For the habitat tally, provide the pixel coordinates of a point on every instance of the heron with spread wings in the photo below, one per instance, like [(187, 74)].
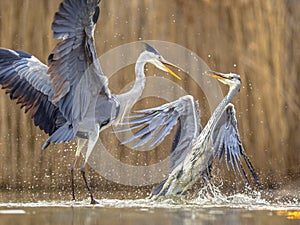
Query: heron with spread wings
[(194, 148), (70, 97)]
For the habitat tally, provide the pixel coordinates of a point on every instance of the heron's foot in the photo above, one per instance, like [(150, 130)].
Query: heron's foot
[(94, 202)]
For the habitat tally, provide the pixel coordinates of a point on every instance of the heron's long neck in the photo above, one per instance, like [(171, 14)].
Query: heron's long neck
[(128, 99), (218, 111)]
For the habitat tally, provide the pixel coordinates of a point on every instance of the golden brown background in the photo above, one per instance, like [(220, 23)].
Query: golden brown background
[(260, 37)]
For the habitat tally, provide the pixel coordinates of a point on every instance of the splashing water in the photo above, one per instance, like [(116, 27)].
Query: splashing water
[(210, 195)]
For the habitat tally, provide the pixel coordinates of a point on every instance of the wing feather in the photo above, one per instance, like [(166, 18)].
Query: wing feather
[(227, 144), (158, 122), (25, 79), (74, 59)]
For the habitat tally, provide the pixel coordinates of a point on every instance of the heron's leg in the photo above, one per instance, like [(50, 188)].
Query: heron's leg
[(93, 137), (80, 144)]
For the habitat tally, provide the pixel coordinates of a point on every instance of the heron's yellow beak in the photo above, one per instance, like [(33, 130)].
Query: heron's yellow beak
[(171, 71), (214, 74), (163, 66)]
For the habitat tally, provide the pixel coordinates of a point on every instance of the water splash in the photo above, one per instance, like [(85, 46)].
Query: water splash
[(212, 196), (209, 196)]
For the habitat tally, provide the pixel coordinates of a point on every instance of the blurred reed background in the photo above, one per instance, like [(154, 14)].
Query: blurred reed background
[(260, 37)]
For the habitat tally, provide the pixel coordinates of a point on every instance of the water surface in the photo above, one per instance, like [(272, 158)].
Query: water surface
[(214, 208)]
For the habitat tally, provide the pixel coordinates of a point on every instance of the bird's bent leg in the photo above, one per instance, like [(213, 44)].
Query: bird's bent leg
[(93, 137), (80, 144)]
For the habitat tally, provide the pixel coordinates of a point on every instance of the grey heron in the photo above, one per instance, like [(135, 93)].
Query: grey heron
[(70, 97), (193, 149)]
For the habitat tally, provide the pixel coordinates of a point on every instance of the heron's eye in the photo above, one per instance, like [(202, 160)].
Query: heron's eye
[(104, 123)]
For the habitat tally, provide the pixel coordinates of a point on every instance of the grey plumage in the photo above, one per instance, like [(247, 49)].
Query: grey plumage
[(193, 149), (70, 97), (159, 122), (25, 79)]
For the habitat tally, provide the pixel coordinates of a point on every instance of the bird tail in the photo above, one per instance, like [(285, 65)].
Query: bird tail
[(63, 134), (157, 190)]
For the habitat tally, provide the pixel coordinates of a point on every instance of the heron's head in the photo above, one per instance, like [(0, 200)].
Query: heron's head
[(230, 79), (151, 55)]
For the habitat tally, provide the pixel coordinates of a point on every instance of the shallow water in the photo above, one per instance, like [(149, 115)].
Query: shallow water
[(144, 215), (140, 212), (207, 208)]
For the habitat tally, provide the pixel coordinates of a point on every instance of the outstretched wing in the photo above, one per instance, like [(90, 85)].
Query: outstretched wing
[(25, 79), (156, 123), (227, 143), (73, 65), (188, 129)]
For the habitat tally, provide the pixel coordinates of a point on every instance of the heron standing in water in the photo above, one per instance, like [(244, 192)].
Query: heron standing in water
[(193, 149), (70, 97)]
